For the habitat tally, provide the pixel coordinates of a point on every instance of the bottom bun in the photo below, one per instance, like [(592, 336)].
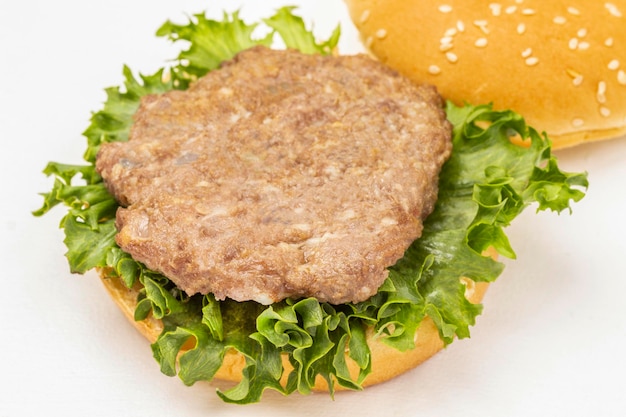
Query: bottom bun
[(387, 362)]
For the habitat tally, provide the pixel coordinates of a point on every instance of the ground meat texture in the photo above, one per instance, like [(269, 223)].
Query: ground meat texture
[(279, 175)]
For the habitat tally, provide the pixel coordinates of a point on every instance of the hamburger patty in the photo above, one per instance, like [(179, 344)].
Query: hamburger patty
[(279, 175)]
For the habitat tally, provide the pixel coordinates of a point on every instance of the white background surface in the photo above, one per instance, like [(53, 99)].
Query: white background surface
[(550, 342)]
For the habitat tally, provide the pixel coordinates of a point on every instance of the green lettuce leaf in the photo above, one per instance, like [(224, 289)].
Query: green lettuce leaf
[(487, 182), (210, 42), (295, 35), (113, 122)]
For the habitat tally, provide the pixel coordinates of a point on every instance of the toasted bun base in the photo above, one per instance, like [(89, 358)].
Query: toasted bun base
[(561, 65), (386, 361)]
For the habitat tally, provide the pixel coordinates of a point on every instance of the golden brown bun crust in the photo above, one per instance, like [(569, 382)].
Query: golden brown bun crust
[(560, 64), (386, 362)]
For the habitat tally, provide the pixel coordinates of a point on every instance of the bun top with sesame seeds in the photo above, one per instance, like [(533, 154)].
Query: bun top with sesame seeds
[(561, 64)]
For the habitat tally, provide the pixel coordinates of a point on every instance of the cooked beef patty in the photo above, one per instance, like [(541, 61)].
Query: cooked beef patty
[(279, 175)]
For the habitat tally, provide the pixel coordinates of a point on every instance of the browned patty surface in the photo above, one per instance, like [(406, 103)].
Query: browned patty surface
[(279, 175)]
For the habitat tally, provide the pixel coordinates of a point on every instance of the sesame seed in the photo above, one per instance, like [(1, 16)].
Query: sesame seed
[(451, 56), (510, 9), (533, 60), (446, 40), (364, 16), (529, 12), (450, 32), (482, 25), (470, 286), (578, 122), (445, 8), (521, 29), (434, 70), (608, 42), (582, 32), (496, 9), (527, 52), (560, 20), (577, 78), (605, 111), (621, 77), (481, 42), (460, 26), (613, 65), (572, 73), (600, 93), (573, 11), (445, 47), (381, 33), (613, 10), (519, 1), (369, 41), (573, 44), (583, 46)]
